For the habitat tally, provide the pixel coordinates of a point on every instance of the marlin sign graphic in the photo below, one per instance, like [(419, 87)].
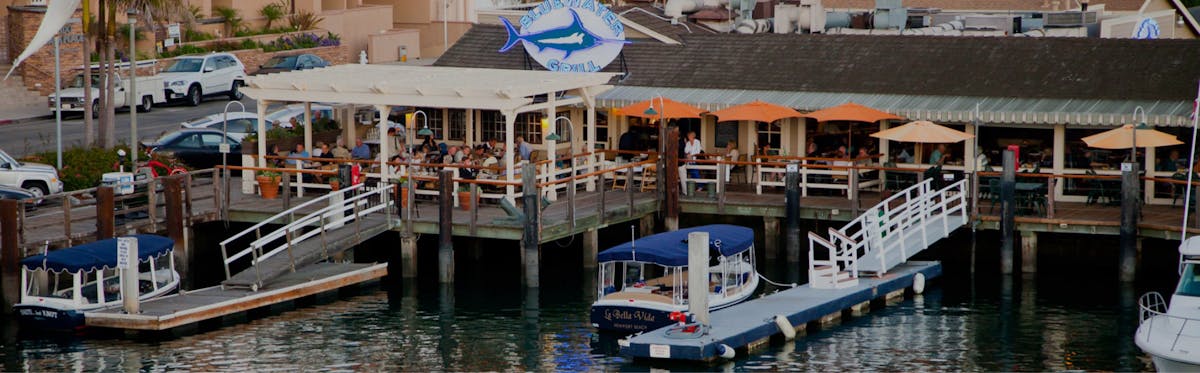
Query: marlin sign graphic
[(569, 39), (569, 35)]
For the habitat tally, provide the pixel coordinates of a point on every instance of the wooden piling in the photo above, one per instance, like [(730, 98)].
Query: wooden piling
[(671, 179), (445, 227), (591, 243), (792, 204), (530, 240), (1008, 184), (852, 185), (10, 253), (173, 196), (408, 256), (105, 221), (1130, 210), (1029, 251), (771, 233)]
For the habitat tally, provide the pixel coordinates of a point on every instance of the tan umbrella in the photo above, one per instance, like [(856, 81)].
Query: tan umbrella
[(1123, 138), (923, 131)]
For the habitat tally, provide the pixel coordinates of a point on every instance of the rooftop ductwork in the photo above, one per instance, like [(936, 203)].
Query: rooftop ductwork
[(806, 17)]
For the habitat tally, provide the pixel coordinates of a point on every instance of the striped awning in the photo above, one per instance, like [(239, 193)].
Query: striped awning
[(993, 110)]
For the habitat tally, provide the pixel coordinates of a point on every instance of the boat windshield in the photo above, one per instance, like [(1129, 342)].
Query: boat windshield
[(1189, 281)]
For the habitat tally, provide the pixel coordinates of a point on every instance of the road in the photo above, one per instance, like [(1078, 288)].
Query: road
[(39, 135)]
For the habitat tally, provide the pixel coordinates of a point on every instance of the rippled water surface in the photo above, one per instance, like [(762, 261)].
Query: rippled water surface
[(1071, 319)]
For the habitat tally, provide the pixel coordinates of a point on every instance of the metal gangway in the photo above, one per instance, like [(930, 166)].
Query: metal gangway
[(887, 234), (352, 215)]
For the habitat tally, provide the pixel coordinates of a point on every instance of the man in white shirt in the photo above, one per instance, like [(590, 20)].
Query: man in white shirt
[(692, 148)]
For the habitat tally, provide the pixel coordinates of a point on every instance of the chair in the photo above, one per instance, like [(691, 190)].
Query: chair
[(993, 193), (649, 178), (1094, 187), (738, 171)]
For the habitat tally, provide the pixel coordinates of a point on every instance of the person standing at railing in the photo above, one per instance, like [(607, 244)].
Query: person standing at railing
[(691, 149), (731, 154)]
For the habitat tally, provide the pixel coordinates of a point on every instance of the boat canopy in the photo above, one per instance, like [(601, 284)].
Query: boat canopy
[(97, 255), (671, 248)]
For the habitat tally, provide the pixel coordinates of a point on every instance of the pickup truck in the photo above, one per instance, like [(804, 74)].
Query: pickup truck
[(149, 92)]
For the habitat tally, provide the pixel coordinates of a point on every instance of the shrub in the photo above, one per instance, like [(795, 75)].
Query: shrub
[(233, 20), (304, 20), (194, 35), (82, 167), (272, 12)]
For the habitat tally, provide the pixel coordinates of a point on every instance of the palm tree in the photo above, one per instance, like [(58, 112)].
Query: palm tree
[(272, 12)]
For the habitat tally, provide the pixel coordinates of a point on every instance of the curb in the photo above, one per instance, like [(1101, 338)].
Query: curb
[(5, 122)]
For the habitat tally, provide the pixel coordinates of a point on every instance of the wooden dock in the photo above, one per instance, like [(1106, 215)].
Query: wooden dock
[(214, 302), (750, 325)]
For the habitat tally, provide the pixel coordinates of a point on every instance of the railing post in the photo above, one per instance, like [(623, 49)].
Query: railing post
[(722, 173), (531, 241), (974, 177), (66, 208), (629, 187), (1008, 181), (217, 197), (1131, 199), (603, 207), (792, 205), (291, 257), (474, 208), (852, 184), (172, 196), (1050, 181), (287, 192), (571, 197), (152, 201)]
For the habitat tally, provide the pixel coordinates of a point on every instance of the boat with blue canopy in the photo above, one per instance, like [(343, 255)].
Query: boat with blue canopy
[(58, 287), (643, 281)]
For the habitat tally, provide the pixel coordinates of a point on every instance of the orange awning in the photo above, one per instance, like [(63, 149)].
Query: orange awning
[(757, 111), (664, 108), (851, 112)]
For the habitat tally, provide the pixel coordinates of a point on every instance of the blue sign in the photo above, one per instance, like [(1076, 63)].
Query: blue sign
[(569, 35)]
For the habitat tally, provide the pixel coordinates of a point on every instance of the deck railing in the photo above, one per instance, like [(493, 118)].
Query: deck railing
[(1152, 315)]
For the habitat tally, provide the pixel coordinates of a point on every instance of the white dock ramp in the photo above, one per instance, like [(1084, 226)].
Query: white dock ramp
[(886, 235)]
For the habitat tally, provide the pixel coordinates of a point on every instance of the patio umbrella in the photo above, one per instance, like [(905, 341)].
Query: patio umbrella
[(851, 112), (757, 111), (664, 108), (923, 131), (1123, 137)]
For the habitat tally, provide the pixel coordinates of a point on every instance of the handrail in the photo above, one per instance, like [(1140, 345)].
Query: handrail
[(309, 219), (1152, 308), (255, 228)]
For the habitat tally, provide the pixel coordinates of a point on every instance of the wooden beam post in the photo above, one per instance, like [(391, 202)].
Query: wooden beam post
[(10, 253), (445, 227), (792, 207), (173, 196), (531, 240), (1130, 210), (670, 162), (105, 221), (1008, 183)]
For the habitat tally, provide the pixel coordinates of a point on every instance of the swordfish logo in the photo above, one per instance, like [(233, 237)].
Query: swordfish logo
[(568, 35)]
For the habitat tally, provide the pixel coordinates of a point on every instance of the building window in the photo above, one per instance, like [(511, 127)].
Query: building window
[(491, 126), (529, 125), (769, 134), (458, 124), (561, 126), (436, 122)]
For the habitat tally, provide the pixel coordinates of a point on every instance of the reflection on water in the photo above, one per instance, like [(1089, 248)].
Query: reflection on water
[(1060, 321)]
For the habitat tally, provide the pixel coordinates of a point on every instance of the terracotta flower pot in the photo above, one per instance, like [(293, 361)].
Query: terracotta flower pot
[(268, 186), (464, 200), (401, 195)]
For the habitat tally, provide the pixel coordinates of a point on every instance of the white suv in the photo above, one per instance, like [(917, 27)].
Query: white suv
[(38, 179), (193, 77)]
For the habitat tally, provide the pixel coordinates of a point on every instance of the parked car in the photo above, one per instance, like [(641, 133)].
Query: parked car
[(241, 123), (36, 178), (197, 148), (148, 94), (293, 62), (7, 192), (193, 77)]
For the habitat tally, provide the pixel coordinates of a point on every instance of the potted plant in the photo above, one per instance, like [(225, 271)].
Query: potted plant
[(464, 196), (268, 183), (335, 183)]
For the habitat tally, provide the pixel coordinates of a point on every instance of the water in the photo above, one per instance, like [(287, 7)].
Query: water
[(1070, 317)]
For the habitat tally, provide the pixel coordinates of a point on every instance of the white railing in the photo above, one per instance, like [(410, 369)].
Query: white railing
[(1152, 315), (822, 177), (885, 227), (332, 216)]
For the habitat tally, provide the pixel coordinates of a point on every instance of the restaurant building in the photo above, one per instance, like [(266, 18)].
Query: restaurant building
[(1042, 94)]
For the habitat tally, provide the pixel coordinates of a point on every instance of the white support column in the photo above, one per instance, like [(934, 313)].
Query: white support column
[(1148, 187), (884, 149), (1060, 151), (591, 143), (469, 127), (261, 109), (750, 139), (384, 141), (510, 119), (308, 127)]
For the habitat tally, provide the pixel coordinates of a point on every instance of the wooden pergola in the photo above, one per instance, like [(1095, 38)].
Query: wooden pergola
[(510, 92)]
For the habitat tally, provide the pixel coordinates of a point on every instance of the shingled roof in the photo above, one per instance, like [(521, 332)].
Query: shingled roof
[(1065, 68), (653, 19), (1016, 5)]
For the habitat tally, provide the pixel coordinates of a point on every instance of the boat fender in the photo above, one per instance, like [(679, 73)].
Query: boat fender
[(919, 283), (785, 326), (725, 352)]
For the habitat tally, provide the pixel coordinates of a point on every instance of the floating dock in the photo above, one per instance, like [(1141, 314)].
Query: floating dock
[(214, 302), (751, 324)]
